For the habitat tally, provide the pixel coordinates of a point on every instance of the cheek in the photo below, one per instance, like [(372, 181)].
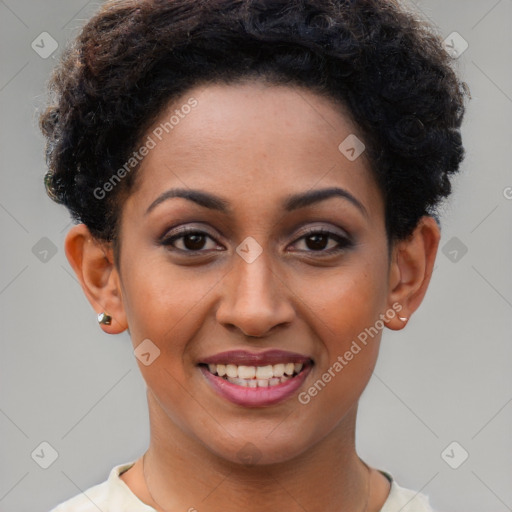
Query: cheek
[(160, 299), (345, 310), (161, 305), (168, 305), (350, 299)]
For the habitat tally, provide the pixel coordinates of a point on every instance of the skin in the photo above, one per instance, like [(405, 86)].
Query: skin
[(254, 145)]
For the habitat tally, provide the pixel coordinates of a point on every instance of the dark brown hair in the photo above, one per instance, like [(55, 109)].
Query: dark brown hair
[(385, 64)]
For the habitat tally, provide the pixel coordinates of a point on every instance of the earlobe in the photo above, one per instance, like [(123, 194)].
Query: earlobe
[(93, 263), (412, 263)]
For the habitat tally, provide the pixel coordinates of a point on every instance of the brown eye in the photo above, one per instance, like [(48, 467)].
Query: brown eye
[(318, 240), (194, 241), (191, 240)]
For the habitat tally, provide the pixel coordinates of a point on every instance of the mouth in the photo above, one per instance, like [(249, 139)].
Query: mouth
[(256, 376), (253, 380)]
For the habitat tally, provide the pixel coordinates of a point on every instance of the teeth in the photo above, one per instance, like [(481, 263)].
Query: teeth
[(239, 382), (232, 371), (246, 372), (264, 372), (278, 370), (256, 376), (255, 383)]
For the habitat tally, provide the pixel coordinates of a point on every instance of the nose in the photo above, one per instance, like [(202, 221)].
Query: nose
[(255, 298)]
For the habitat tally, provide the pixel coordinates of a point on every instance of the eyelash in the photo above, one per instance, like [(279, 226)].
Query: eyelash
[(343, 242)]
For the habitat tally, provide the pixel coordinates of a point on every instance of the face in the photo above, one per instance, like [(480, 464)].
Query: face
[(256, 273)]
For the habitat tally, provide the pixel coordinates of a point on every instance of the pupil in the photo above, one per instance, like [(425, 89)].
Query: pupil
[(197, 241), (316, 244)]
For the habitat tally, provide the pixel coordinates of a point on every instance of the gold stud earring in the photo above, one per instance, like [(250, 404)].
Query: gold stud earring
[(104, 319)]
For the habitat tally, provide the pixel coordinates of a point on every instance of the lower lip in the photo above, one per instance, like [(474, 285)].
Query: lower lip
[(255, 397)]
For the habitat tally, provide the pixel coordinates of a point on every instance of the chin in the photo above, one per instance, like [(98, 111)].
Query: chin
[(258, 448)]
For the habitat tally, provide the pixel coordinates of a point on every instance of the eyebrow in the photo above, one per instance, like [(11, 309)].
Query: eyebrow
[(291, 203)]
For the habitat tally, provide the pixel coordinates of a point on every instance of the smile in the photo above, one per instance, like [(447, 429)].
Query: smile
[(256, 376), (256, 380)]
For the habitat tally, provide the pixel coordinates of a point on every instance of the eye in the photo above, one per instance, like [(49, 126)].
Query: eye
[(317, 240), (192, 240)]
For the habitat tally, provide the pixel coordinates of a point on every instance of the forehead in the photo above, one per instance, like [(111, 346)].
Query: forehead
[(249, 139)]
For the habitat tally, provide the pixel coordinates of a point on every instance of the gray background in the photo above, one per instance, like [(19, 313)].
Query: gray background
[(445, 378)]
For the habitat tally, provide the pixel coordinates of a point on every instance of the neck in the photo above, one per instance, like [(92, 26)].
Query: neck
[(181, 474)]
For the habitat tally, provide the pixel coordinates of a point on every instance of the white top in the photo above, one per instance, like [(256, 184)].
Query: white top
[(114, 495)]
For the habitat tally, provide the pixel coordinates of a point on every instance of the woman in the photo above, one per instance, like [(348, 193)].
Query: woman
[(255, 186)]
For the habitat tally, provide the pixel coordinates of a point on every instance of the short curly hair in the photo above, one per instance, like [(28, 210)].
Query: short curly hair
[(380, 60)]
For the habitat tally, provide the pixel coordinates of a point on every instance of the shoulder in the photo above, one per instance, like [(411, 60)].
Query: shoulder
[(405, 500), (92, 499), (109, 496)]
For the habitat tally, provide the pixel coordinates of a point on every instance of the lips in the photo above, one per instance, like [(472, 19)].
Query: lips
[(256, 379)]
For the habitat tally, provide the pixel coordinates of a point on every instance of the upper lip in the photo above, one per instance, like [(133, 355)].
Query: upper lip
[(246, 358)]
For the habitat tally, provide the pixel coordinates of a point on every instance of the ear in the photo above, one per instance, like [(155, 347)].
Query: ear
[(93, 263), (411, 267)]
